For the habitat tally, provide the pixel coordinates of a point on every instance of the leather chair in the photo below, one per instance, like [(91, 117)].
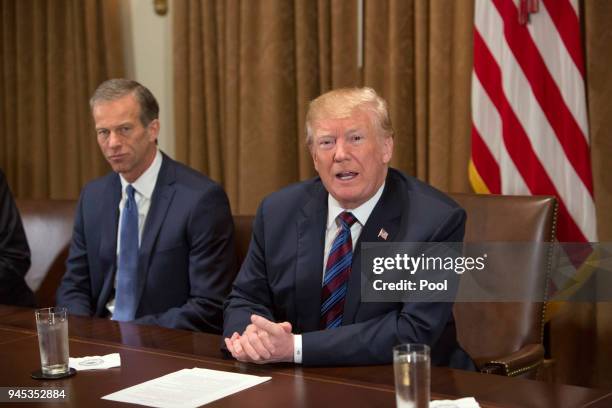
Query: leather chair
[(502, 338), (48, 227), (507, 338), (243, 228)]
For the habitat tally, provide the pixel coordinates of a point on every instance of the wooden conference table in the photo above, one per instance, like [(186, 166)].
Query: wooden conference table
[(148, 352)]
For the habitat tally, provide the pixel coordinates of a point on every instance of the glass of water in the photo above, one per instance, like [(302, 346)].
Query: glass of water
[(52, 328), (411, 364)]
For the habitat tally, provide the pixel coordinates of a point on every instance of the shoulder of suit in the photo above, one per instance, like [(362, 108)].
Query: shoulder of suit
[(100, 183), (296, 192), (417, 189), (187, 175)]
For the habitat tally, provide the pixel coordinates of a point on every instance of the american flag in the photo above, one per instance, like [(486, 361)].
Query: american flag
[(529, 122)]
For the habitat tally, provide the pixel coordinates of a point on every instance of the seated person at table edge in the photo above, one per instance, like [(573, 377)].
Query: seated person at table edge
[(296, 297), (152, 240), (14, 252)]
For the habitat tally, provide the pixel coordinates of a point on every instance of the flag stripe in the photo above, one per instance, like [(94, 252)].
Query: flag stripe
[(563, 14), (487, 119), (542, 141), (485, 164), (544, 89), (524, 109), (562, 67), (478, 185)]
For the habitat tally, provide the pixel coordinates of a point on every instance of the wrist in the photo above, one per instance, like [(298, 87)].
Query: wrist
[(296, 355)]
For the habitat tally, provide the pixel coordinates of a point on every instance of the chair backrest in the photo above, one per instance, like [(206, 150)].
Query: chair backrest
[(243, 228), (48, 227), (506, 326), (489, 330)]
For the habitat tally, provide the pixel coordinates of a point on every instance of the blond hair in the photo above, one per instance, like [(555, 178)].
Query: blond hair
[(342, 103)]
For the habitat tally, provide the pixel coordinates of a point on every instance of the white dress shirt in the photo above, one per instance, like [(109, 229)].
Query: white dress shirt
[(361, 213), (143, 186)]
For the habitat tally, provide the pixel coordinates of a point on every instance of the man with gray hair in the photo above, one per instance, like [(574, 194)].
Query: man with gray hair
[(297, 296), (152, 240)]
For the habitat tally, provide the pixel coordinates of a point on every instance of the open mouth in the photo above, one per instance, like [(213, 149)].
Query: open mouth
[(346, 175)]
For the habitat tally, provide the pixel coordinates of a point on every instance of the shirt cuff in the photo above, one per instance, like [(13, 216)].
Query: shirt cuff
[(297, 348)]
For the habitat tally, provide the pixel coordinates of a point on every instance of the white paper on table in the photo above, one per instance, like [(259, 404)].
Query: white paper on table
[(187, 388), (95, 362), (469, 402)]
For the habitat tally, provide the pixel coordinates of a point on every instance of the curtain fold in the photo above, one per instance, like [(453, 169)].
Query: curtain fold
[(598, 49), (442, 60), (581, 332), (259, 63), (52, 56), (244, 74)]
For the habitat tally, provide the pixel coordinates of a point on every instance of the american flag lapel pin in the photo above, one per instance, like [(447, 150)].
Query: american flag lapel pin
[(383, 234)]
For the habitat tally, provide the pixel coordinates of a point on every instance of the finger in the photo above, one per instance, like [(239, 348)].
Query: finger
[(250, 328), (286, 326), (259, 347), (248, 349), (235, 336), (264, 337), (230, 346), (236, 350), (264, 324), (239, 351)]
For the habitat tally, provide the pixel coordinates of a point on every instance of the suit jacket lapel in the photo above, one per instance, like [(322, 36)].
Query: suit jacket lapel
[(107, 250), (160, 201), (386, 215), (309, 266)]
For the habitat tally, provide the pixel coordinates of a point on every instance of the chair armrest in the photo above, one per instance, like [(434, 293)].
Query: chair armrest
[(522, 361)]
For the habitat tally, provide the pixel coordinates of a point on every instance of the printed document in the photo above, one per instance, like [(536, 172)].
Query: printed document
[(187, 388)]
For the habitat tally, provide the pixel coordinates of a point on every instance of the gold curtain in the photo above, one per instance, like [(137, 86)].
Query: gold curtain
[(245, 71), (52, 56), (583, 331)]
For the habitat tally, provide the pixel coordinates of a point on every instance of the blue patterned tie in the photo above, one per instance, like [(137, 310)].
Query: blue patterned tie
[(127, 267), (337, 272)]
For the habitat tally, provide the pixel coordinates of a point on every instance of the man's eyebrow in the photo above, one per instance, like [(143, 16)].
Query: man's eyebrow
[(124, 124)]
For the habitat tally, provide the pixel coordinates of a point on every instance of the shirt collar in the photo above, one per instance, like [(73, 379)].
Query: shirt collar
[(362, 213), (145, 184)]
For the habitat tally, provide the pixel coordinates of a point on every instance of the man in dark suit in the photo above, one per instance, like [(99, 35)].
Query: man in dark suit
[(297, 296), (153, 240), (14, 252)]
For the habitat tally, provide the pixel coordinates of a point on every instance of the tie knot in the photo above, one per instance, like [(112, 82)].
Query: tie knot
[(130, 190), (347, 219)]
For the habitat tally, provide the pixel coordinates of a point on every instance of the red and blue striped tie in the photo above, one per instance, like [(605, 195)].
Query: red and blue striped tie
[(337, 272)]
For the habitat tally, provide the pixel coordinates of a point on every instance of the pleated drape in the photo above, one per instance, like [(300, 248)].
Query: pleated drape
[(52, 56)]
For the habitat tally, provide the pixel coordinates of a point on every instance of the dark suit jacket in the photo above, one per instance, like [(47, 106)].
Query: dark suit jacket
[(14, 252), (281, 276), (186, 258)]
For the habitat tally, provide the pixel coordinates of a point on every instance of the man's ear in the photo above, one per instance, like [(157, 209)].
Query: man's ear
[(387, 149), (153, 129), (315, 160)]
